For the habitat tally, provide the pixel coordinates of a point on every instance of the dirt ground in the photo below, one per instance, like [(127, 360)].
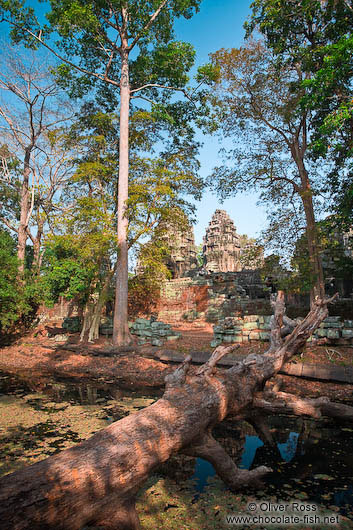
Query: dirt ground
[(164, 502), (41, 355)]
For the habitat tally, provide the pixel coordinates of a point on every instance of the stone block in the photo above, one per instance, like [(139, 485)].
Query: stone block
[(326, 324), (157, 325), (254, 335), (157, 342), (162, 332), (348, 323), (173, 337), (136, 331), (138, 326), (347, 333), (106, 330), (265, 335), (73, 324), (251, 318), (332, 319), (333, 334), (60, 337), (250, 325), (321, 332), (142, 321), (215, 343), (264, 325)]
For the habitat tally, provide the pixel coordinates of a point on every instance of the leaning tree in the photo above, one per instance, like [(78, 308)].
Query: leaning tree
[(258, 102), (96, 482)]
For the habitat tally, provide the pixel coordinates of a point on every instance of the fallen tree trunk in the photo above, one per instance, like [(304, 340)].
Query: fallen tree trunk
[(283, 403), (96, 481)]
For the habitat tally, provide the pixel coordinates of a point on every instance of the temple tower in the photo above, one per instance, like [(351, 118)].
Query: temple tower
[(221, 249)]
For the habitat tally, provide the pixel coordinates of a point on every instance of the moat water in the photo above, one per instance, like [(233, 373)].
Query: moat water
[(312, 460)]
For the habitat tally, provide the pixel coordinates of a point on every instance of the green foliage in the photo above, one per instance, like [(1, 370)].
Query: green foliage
[(88, 39), (316, 36), (337, 248), (273, 273), (199, 255), (66, 272), (258, 111), (208, 73), (18, 301), (336, 253), (85, 31), (252, 253), (10, 291), (145, 286)]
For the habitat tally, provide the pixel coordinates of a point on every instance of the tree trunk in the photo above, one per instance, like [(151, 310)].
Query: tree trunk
[(96, 481), (87, 319), (318, 289), (37, 241), (24, 210), (313, 246), (93, 333), (121, 336)]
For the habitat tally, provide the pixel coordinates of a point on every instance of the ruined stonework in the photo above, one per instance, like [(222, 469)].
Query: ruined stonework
[(181, 256), (183, 251), (221, 249)]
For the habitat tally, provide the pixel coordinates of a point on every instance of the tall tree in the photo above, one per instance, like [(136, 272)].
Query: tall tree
[(81, 257), (259, 111), (317, 36), (124, 45), (34, 161)]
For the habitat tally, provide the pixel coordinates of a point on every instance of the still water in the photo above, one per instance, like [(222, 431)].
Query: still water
[(311, 459)]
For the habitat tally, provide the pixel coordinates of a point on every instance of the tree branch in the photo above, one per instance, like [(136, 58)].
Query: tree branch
[(148, 25), (209, 449), (58, 55), (156, 85)]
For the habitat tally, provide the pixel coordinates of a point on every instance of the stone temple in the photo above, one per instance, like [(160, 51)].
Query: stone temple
[(222, 247), (183, 251)]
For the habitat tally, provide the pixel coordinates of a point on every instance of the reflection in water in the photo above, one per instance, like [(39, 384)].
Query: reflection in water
[(250, 447), (203, 471), (289, 448), (312, 460)]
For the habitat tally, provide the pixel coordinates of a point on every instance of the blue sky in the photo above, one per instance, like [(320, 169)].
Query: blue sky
[(219, 24)]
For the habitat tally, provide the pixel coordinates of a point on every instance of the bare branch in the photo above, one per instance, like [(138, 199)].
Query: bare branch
[(38, 38), (8, 224), (156, 85)]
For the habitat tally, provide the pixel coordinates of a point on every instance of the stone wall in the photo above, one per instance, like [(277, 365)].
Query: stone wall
[(153, 332), (257, 327), (207, 297), (59, 311)]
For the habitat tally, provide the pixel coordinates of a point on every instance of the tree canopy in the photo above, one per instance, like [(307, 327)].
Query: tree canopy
[(317, 37)]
